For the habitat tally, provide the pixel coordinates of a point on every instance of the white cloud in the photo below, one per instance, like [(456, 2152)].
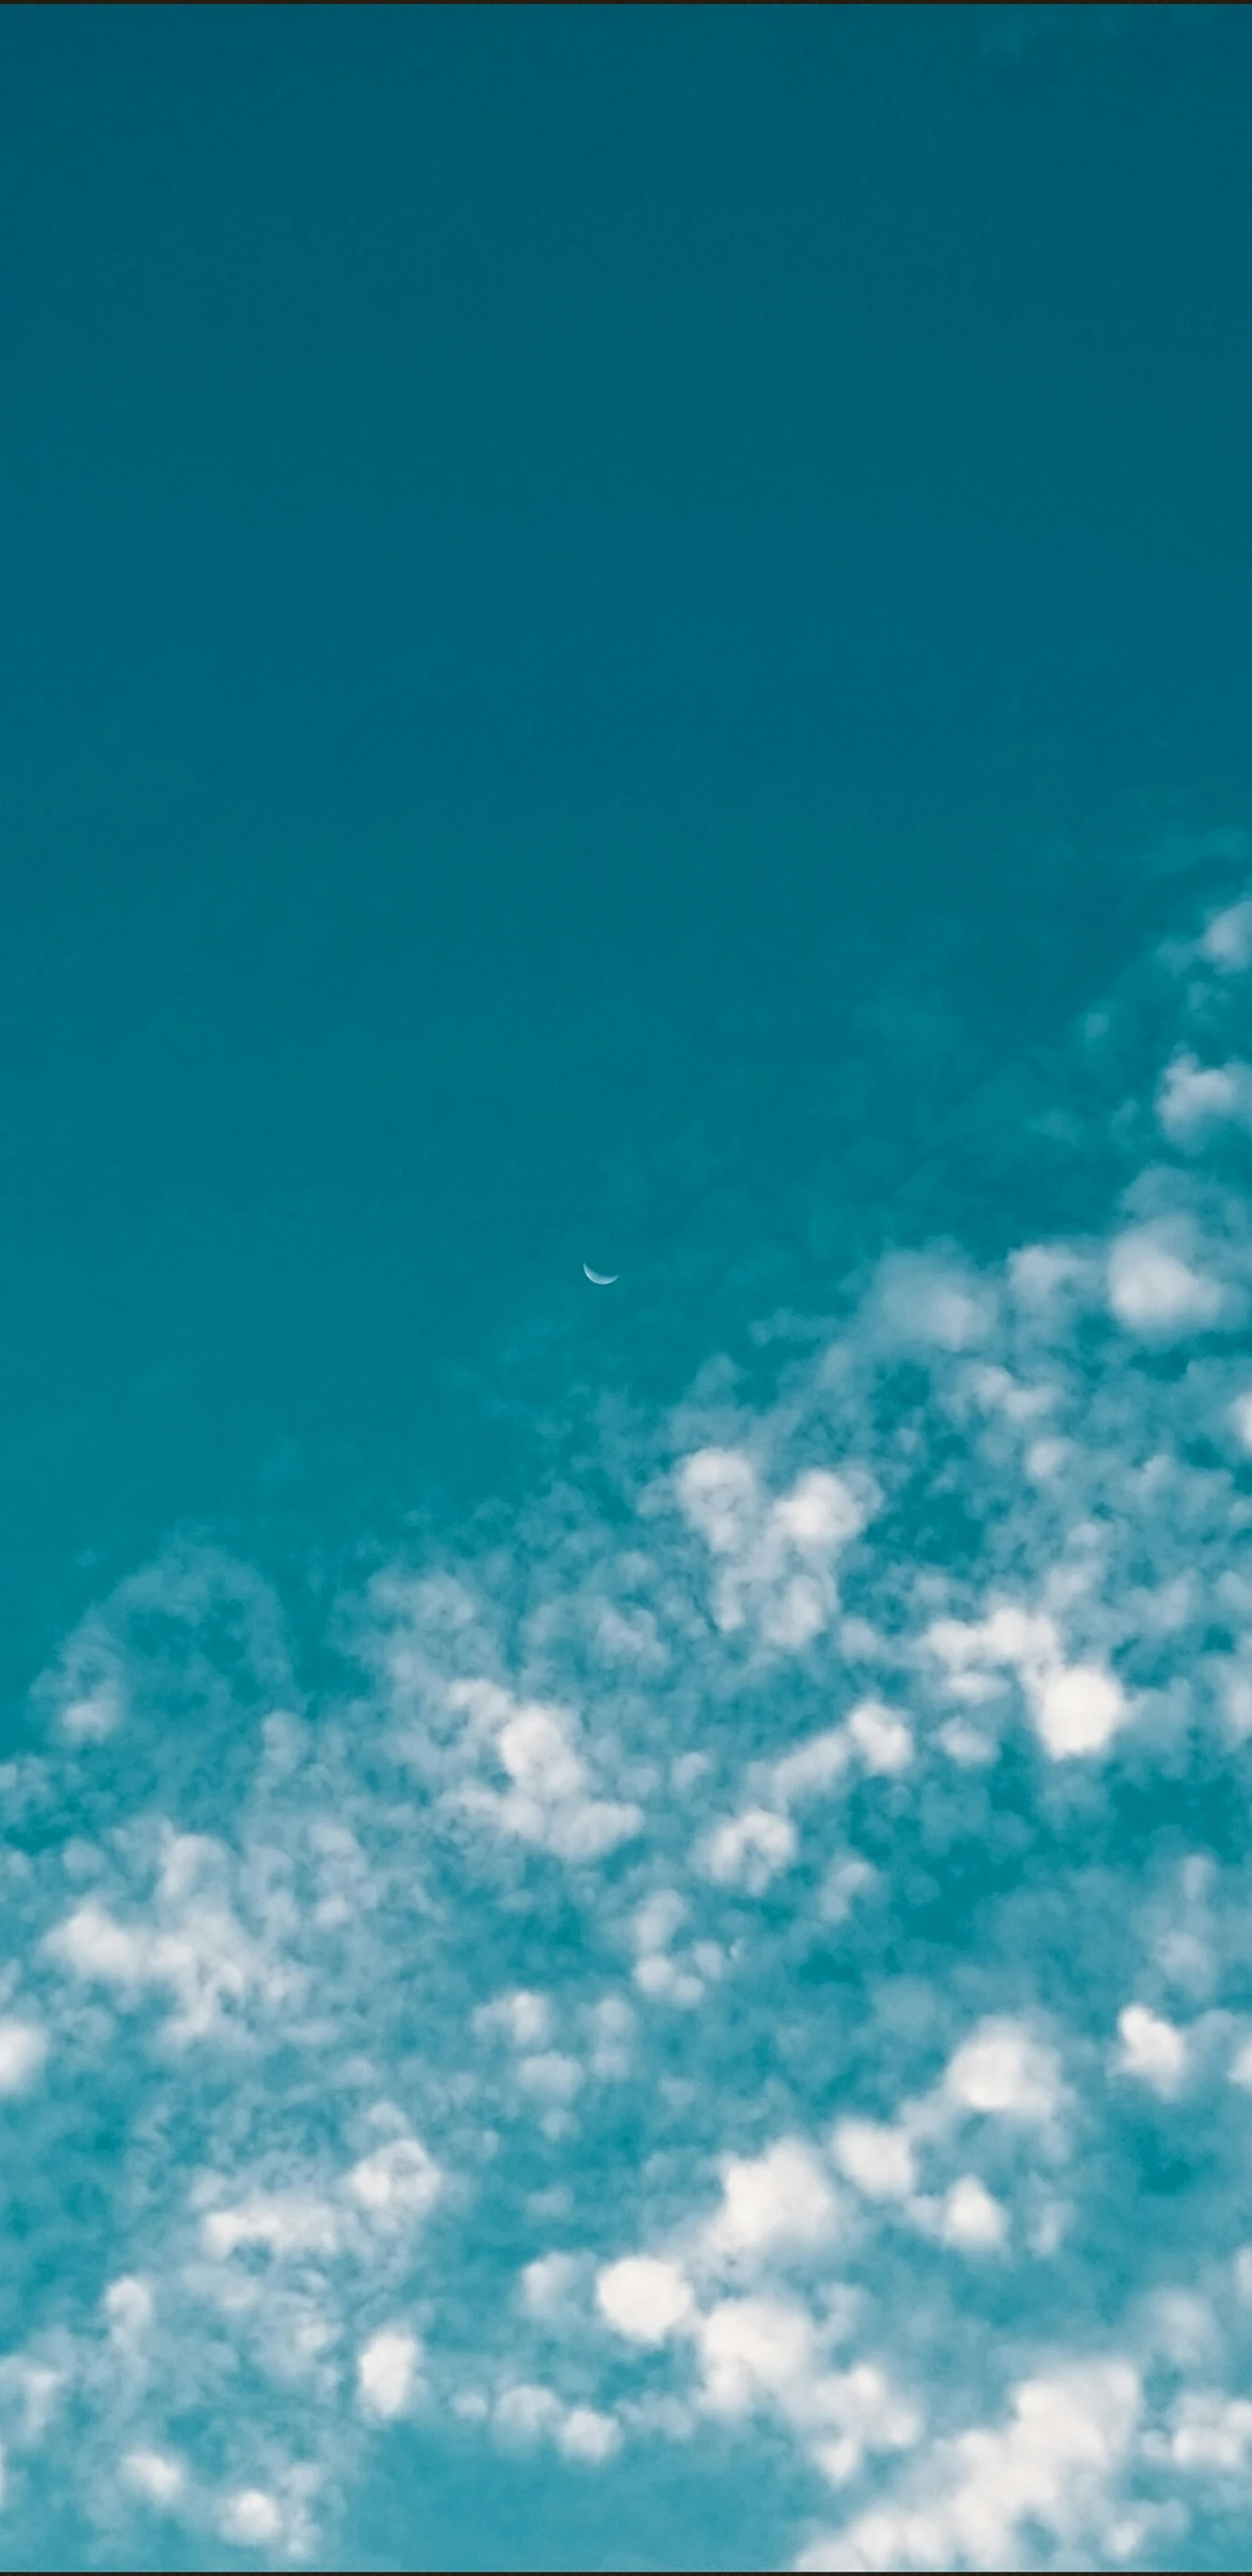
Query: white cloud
[(129, 2307), (525, 2413), (923, 1302), (1227, 941), (777, 1562), (663, 1981), (282, 2223), (969, 2218), (1191, 1097), (1038, 1271), (1236, 1698), (1046, 1459), (155, 2475), (658, 1919), (92, 1945), (23, 2049), (1183, 2326), (155, 1621), (537, 1753), (881, 1737), (1050, 2466), (399, 2181), (1211, 2431), (1154, 1292), (586, 2434), (751, 1849), (967, 1744), (1008, 1635), (1078, 1708), (718, 1491), (387, 2369), (86, 1692), (35, 2386), (392, 2188), (870, 2416), (644, 2298), (551, 1800), (251, 2518), (548, 2286), (766, 2353), (777, 2202), (1152, 2050), (792, 1613), (878, 2159), (821, 1512), (613, 2027), (193, 1945), (656, 1975), (551, 2077), (845, 1880), (1003, 2072), (812, 1768), (523, 2017), (754, 2349), (95, 1716)]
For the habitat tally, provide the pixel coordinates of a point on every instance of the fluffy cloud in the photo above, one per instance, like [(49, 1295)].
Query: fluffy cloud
[(1211, 2431), (813, 1768), (551, 1799), (1227, 940), (878, 2159), (881, 1736), (776, 1560), (23, 2048), (969, 2217), (750, 1849), (753, 2351), (1193, 1098), (155, 2476), (922, 1302), (251, 2518), (387, 2370), (194, 1947), (526, 2414), (587, 2434), (1002, 2071), (1077, 1708), (1151, 2049), (644, 2298), (774, 2203), (398, 2182), (1051, 2465), (1155, 1292), (765, 2354)]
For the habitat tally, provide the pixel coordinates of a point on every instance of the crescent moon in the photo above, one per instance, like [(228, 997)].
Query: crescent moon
[(598, 1279)]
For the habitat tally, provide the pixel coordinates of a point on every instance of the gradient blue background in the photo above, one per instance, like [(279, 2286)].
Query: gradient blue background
[(530, 537), (600, 607)]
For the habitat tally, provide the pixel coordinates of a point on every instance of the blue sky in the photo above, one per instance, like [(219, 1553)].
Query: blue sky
[(626, 1939)]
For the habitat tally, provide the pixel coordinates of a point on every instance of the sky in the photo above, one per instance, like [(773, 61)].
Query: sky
[(627, 1921)]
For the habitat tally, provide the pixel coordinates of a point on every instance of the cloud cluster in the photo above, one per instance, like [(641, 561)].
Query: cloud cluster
[(741, 1956)]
